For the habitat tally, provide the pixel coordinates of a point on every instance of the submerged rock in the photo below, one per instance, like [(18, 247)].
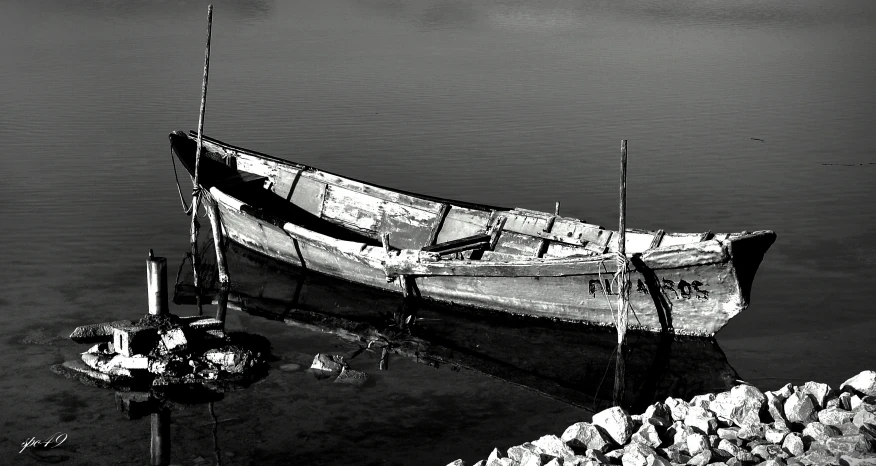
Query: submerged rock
[(328, 363), (351, 377)]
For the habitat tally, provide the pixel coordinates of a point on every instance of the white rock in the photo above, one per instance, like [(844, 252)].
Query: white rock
[(647, 434), (793, 444), (616, 422), (325, 362), (458, 462), (701, 419), (697, 443), (865, 383), (552, 445), (835, 416), (819, 392), (800, 407), (741, 405), (586, 435)]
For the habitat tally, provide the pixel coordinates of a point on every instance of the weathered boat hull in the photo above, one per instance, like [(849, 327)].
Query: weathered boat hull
[(691, 288)]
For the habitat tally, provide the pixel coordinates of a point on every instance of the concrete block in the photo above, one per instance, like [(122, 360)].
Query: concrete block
[(131, 340), (173, 341)]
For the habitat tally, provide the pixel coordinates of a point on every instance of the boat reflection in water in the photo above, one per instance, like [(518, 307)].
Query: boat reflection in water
[(571, 362)]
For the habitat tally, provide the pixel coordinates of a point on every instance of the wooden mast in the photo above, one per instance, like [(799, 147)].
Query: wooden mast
[(196, 196), (622, 277)]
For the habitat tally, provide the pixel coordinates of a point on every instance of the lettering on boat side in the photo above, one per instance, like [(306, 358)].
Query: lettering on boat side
[(681, 290)]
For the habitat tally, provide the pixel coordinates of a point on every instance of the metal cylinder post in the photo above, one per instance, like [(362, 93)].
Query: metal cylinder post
[(156, 284)]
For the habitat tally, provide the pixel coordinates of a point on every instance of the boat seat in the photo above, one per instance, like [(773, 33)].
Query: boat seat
[(480, 241)]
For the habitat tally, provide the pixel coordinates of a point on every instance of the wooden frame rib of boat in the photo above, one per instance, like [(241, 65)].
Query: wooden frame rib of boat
[(513, 260)]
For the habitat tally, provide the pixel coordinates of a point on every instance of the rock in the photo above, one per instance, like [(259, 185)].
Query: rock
[(701, 459), (703, 401), (775, 435), (818, 391), (847, 460), (845, 401), (677, 408), (745, 456), (793, 444), (752, 432), (817, 458), (656, 460), (741, 405), (328, 363), (139, 362), (172, 341), (702, 420), (554, 462), (697, 443), (862, 384), (767, 451), (230, 359), (800, 408), (784, 392), (849, 444), (727, 446), (863, 417), (552, 445), (586, 435), (728, 433), (494, 456), (658, 415), (636, 454), (775, 407), (97, 332), (596, 455), (616, 422), (818, 432), (351, 377), (457, 463), (615, 456), (131, 339), (527, 455), (679, 434), (832, 403), (834, 416), (773, 462), (79, 370), (481, 463), (674, 454), (291, 367), (647, 434), (502, 462)]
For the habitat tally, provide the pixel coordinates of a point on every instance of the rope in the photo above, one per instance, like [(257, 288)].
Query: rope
[(623, 266), (186, 208)]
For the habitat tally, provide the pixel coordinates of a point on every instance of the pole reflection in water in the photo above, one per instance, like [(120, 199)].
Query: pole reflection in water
[(160, 439)]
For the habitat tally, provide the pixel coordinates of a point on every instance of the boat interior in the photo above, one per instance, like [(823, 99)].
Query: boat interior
[(278, 191)]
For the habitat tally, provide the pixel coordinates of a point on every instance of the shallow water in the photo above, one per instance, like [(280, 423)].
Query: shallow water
[(500, 102)]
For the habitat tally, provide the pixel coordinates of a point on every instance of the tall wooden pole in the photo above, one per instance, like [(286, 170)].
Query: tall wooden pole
[(622, 311), (196, 196)]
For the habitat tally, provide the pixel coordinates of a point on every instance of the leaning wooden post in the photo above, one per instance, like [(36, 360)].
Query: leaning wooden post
[(622, 310), (156, 284), (213, 212), (196, 186)]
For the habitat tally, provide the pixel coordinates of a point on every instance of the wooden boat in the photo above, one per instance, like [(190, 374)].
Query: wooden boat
[(570, 362), (512, 260)]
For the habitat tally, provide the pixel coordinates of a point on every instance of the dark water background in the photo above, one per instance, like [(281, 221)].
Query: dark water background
[(502, 102)]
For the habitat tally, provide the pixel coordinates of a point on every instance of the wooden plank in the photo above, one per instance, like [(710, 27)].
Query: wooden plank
[(525, 224), (433, 236), (580, 231), (462, 244), (373, 191), (284, 180), (369, 215), (675, 239), (461, 222), (308, 195), (496, 231), (542, 248), (558, 250), (655, 243), (635, 242), (516, 243)]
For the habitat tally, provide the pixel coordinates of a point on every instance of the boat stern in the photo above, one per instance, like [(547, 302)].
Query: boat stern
[(746, 253)]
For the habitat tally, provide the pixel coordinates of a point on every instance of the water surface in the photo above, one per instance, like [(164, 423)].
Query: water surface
[(501, 102)]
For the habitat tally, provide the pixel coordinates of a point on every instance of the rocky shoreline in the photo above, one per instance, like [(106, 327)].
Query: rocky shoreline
[(809, 425)]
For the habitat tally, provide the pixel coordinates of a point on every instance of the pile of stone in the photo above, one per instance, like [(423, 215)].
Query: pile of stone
[(160, 351), (811, 424)]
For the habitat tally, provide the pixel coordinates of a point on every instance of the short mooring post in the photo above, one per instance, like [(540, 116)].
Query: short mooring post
[(156, 284), (622, 278), (196, 186), (160, 440)]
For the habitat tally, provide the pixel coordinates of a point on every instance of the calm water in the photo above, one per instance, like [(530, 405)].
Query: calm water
[(501, 102)]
